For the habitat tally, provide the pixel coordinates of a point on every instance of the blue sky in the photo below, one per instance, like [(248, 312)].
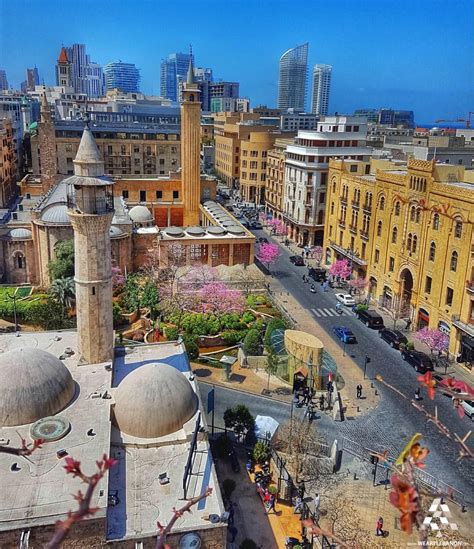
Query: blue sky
[(408, 54)]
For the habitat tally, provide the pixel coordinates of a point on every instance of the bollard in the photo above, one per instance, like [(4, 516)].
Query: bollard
[(371, 385), (358, 408), (355, 476), (376, 392)]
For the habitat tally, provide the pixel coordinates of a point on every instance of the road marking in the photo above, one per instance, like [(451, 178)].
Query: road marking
[(316, 313), (329, 312)]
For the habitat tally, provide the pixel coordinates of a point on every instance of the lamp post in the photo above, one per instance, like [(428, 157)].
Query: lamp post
[(366, 361), (14, 298)]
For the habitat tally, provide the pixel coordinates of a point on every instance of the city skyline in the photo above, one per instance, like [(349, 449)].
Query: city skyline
[(420, 71)]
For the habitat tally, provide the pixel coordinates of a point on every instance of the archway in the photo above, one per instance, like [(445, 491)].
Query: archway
[(423, 319), (406, 288)]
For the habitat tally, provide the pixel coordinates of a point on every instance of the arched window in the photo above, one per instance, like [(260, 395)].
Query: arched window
[(397, 208), (458, 229), (394, 235), (332, 207), (333, 186), (415, 242), (19, 261), (436, 222), (418, 215), (191, 96), (432, 251), (379, 228), (454, 262), (409, 239), (320, 217), (412, 213), (382, 203)]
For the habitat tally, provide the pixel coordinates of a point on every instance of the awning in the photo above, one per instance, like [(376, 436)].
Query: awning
[(302, 370), (264, 426)]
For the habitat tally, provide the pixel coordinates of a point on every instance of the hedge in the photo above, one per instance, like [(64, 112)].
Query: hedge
[(26, 309)]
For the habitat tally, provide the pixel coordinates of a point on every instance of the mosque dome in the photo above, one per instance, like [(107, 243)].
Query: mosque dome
[(153, 401), (33, 384), (57, 213), (140, 214), (20, 234), (115, 232)]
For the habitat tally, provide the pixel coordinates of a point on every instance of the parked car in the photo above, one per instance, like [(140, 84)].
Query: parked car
[(371, 319), (257, 225), (318, 274), (468, 406), (393, 337), (420, 361), (263, 240), (346, 299), (297, 260), (344, 334)]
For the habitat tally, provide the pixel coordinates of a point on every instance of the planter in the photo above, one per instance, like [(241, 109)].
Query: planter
[(210, 341)]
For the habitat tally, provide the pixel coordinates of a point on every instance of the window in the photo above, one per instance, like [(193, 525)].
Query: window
[(391, 264), (332, 208), (376, 256), (428, 281), (415, 242), (432, 254), (159, 194), (454, 262), (412, 213), (382, 203), (353, 167), (322, 197), (175, 194), (324, 178), (367, 169), (458, 229), (379, 228), (364, 249), (397, 208), (394, 235), (436, 222), (142, 196), (20, 261), (125, 193), (356, 128), (449, 296), (418, 215), (333, 186), (409, 241)]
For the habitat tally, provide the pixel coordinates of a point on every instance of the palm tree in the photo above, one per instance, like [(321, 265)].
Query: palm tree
[(63, 291)]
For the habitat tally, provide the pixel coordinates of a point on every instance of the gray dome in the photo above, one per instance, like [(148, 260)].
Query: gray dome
[(175, 232), (215, 230), (57, 213), (33, 384), (153, 401), (140, 214), (20, 234), (196, 231), (115, 232), (235, 229)]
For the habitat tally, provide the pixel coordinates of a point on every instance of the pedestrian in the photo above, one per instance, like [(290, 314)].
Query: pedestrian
[(272, 504), (378, 530), (417, 394), (317, 503), (408, 324), (321, 402), (310, 411), (359, 391), (298, 505)]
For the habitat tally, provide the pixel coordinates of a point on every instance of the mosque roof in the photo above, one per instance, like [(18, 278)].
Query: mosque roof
[(20, 234), (140, 214), (56, 213)]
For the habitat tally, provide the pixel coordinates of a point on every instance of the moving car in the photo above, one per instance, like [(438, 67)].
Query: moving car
[(344, 334), (393, 337), (468, 406), (297, 260), (346, 299), (421, 362), (318, 274), (257, 225), (371, 319)]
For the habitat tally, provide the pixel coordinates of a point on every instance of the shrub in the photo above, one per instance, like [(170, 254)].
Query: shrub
[(260, 452), (171, 333), (248, 544), (360, 307), (247, 317), (239, 419), (252, 343), (273, 489), (274, 324), (228, 487), (191, 347), (48, 314), (410, 346), (63, 264), (116, 314), (232, 337)]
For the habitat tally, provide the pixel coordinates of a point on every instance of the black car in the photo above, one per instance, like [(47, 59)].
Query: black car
[(421, 362), (297, 260), (263, 240), (371, 319), (318, 275), (393, 337)]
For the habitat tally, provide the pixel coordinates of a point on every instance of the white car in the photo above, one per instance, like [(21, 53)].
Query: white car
[(345, 298), (468, 406)]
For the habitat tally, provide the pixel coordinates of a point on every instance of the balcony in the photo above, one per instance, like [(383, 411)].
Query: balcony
[(367, 208), (355, 204), (353, 229), (364, 235), (348, 253), (342, 223)]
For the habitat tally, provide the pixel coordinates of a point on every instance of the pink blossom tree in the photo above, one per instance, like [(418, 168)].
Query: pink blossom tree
[(435, 340), (216, 298), (340, 268), (117, 278), (268, 254), (358, 284), (263, 217), (316, 253)]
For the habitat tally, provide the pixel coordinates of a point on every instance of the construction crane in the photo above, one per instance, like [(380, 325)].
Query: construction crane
[(467, 120)]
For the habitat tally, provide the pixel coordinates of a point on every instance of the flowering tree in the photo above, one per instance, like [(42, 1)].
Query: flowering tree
[(340, 268), (268, 254), (263, 217), (358, 284), (316, 253), (435, 340), (216, 298), (278, 227), (117, 278)]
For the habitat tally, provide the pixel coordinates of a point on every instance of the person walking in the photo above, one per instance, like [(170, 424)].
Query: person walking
[(321, 402), (272, 504), (359, 391), (379, 526), (298, 505), (317, 504), (417, 394)]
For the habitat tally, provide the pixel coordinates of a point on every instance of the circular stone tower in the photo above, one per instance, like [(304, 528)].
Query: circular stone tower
[(91, 209)]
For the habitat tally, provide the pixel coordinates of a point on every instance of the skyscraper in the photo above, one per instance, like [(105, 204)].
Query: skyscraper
[(32, 79), (293, 71), (173, 71), (3, 80), (321, 88), (122, 76), (86, 76)]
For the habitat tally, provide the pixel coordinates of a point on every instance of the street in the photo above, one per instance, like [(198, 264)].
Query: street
[(395, 420)]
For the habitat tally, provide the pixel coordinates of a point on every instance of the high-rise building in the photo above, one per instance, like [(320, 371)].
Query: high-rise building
[(173, 71), (3, 80), (86, 76), (122, 76), (63, 70), (293, 71), (321, 88), (396, 118), (32, 79)]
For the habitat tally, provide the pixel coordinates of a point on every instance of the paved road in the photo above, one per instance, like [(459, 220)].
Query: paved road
[(395, 419)]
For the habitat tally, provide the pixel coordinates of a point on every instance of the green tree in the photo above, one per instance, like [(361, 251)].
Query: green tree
[(191, 347), (63, 291), (261, 452), (150, 297), (239, 419), (131, 297), (63, 264), (50, 315), (252, 343), (271, 365), (274, 324)]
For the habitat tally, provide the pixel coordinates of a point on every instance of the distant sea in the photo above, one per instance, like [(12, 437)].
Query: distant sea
[(460, 125)]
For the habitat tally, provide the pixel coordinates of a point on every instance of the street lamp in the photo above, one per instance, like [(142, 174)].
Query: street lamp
[(14, 298), (367, 361)]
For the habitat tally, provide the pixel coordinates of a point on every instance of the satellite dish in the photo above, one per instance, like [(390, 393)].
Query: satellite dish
[(190, 541)]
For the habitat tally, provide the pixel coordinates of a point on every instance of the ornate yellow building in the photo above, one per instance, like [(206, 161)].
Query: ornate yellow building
[(275, 184), (407, 229)]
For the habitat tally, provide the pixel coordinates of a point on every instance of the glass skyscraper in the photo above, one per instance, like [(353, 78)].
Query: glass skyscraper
[(321, 88), (293, 72), (173, 70), (122, 76)]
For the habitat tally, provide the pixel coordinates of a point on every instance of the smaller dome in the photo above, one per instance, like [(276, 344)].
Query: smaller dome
[(196, 231), (140, 214), (153, 401), (216, 231), (235, 229), (57, 213), (115, 232), (175, 232), (209, 203), (20, 234)]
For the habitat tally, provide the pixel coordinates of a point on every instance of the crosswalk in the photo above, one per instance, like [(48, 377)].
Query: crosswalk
[(320, 312)]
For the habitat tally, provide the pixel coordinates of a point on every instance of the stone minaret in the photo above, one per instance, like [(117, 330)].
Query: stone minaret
[(91, 209), (191, 148), (63, 70), (47, 146)]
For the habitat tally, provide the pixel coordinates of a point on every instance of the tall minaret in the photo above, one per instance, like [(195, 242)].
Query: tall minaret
[(191, 148), (63, 70), (91, 209), (47, 146)]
